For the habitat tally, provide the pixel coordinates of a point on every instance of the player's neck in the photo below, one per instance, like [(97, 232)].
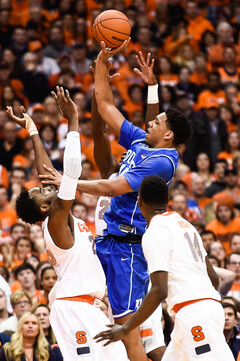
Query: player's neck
[(153, 213)]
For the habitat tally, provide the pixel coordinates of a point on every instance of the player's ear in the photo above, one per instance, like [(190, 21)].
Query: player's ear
[(169, 135), (44, 208)]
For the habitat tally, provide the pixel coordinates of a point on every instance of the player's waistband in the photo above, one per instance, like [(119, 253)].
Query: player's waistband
[(84, 298), (129, 238), (178, 306)]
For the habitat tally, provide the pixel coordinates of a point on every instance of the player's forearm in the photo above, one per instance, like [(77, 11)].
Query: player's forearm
[(103, 90), (149, 305), (152, 104), (98, 125), (41, 156), (96, 188)]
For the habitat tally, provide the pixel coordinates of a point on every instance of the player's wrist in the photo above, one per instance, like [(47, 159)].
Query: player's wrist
[(152, 97)]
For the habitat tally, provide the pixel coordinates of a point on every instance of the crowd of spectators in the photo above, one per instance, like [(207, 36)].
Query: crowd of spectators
[(196, 47)]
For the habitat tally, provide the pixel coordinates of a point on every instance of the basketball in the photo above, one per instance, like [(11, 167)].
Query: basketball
[(112, 27)]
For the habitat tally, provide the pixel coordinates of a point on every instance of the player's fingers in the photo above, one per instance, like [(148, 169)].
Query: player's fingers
[(23, 110), (137, 71), (142, 58), (48, 181), (46, 176), (103, 46), (49, 169), (54, 95), (92, 69), (58, 91), (148, 59), (111, 325), (107, 343), (139, 61), (116, 75), (152, 63), (67, 94)]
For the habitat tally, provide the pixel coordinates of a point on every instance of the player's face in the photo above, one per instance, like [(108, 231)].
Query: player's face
[(42, 195), (230, 318), (157, 130)]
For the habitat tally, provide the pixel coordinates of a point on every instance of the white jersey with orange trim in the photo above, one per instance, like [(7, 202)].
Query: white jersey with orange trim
[(103, 204), (78, 268), (173, 245)]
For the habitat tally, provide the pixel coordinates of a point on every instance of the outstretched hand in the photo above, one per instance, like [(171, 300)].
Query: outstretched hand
[(146, 66), (65, 104), (107, 53), (26, 122), (53, 176), (20, 121), (110, 77), (115, 333)]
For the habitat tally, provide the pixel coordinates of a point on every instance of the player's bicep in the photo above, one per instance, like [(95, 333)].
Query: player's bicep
[(159, 281), (119, 186), (60, 222), (112, 116), (130, 133), (212, 274)]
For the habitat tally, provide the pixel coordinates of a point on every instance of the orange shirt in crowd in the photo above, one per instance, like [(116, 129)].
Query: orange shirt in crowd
[(207, 96), (224, 232), (131, 107), (229, 78), (228, 198), (235, 291), (4, 181), (198, 26), (170, 80), (7, 218), (227, 156), (198, 78), (215, 55)]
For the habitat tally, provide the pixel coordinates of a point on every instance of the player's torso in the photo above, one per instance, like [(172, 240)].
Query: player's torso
[(123, 215), (78, 269), (187, 278)]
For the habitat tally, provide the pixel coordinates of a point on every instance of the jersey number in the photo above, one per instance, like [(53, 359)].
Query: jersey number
[(197, 333), (194, 246), (105, 205)]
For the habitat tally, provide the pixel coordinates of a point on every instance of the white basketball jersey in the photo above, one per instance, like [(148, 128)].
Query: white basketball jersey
[(173, 245), (78, 268), (103, 204)]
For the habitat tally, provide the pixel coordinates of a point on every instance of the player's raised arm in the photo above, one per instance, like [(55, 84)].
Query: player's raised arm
[(58, 225), (41, 156), (103, 91), (106, 163), (147, 75)]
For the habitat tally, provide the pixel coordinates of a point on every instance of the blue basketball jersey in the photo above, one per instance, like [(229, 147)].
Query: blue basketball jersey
[(123, 215)]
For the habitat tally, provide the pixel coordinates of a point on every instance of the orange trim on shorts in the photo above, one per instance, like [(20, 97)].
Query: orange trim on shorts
[(178, 306), (147, 332), (84, 298)]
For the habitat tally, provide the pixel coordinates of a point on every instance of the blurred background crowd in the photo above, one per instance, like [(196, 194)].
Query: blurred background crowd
[(196, 47)]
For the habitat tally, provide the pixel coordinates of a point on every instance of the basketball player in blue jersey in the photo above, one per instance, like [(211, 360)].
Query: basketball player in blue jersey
[(151, 152)]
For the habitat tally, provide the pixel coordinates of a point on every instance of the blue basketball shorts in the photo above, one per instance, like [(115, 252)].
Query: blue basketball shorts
[(126, 272)]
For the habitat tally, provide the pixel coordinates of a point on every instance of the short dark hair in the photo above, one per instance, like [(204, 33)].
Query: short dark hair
[(25, 239), (205, 231), (23, 267), (154, 191), (18, 224), (230, 305), (27, 208), (180, 125)]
